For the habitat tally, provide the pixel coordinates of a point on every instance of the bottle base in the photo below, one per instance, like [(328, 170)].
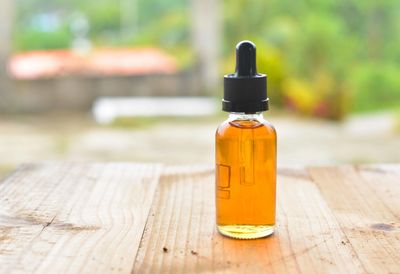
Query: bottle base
[(246, 231)]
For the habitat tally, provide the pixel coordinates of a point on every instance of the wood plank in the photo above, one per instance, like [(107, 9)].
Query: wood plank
[(367, 215), (384, 180), (180, 235), (76, 218)]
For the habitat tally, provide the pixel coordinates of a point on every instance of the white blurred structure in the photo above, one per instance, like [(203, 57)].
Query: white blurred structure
[(80, 30), (206, 34), (6, 23), (106, 109)]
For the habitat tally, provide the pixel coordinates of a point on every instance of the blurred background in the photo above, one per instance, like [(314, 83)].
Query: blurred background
[(141, 80)]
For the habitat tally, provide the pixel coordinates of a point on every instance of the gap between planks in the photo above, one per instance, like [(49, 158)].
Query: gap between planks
[(312, 236)]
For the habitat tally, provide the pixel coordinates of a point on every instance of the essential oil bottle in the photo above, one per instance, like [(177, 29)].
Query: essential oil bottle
[(245, 153)]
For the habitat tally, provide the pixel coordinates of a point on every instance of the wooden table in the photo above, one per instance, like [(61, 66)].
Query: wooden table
[(147, 218)]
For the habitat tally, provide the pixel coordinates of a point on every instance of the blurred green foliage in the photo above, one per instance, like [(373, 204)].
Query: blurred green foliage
[(322, 57), (151, 22), (376, 85), (326, 57), (31, 39)]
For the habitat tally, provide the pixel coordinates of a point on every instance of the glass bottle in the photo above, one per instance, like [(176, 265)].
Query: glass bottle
[(245, 154)]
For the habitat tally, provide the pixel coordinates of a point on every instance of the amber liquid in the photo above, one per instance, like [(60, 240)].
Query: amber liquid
[(245, 178)]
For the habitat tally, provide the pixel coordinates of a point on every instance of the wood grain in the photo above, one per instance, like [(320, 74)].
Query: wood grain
[(144, 218), (367, 215), (74, 218), (180, 235)]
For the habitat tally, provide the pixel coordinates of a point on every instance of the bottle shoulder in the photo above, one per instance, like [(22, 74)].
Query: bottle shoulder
[(231, 127)]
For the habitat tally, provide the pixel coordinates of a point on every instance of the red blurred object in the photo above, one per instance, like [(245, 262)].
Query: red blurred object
[(128, 61), (322, 109)]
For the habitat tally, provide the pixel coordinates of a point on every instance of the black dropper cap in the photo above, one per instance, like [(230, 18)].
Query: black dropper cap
[(245, 90)]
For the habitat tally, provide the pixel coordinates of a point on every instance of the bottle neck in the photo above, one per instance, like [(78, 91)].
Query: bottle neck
[(258, 116)]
